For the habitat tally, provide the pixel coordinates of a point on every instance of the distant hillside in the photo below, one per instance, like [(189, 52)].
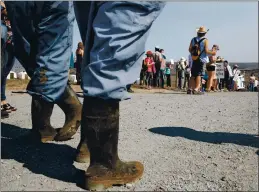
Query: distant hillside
[(242, 65), (245, 66)]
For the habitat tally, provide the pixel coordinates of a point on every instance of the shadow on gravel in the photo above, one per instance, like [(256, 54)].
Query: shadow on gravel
[(208, 137), (52, 160)]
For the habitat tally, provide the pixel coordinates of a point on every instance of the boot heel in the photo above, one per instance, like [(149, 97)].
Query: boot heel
[(82, 158)]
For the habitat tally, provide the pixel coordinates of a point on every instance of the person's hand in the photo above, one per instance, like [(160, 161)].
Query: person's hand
[(214, 53)]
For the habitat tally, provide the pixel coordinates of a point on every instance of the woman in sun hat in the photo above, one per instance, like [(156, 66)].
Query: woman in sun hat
[(200, 59)]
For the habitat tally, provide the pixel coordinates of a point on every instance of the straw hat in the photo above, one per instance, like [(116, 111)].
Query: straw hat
[(202, 29)]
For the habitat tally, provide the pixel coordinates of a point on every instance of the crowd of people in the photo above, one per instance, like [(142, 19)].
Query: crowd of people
[(197, 74), (156, 71)]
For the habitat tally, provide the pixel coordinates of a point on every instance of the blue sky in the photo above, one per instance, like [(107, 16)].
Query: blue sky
[(233, 26)]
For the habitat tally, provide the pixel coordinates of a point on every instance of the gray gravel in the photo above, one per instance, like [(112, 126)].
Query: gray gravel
[(185, 142)]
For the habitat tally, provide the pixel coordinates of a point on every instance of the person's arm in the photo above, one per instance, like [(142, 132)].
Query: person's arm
[(207, 51), (190, 47), (82, 53)]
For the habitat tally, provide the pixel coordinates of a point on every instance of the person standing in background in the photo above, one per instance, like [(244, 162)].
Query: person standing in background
[(169, 67), (157, 57), (7, 60), (162, 69), (187, 76), (190, 87), (252, 82), (211, 68), (181, 72), (199, 49), (236, 74), (151, 69), (228, 76), (79, 61)]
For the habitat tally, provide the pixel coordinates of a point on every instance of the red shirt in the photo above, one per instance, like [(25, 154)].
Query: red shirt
[(150, 64)]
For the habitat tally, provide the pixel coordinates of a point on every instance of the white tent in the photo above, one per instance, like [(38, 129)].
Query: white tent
[(12, 75)]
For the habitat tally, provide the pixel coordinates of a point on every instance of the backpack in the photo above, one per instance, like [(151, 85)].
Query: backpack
[(195, 50)]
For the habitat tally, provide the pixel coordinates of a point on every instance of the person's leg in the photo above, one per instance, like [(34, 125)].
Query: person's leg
[(162, 78), (185, 81), (129, 88), (158, 78), (112, 56), (209, 81), (167, 80), (45, 54), (6, 70)]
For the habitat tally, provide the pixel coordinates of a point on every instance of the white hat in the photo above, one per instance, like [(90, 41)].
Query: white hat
[(157, 47), (182, 59), (172, 61)]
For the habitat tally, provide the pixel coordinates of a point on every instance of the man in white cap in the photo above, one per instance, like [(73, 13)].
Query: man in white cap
[(199, 50)]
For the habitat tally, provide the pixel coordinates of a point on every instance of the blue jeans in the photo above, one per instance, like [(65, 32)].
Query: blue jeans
[(114, 34), (7, 60), (251, 87), (42, 34)]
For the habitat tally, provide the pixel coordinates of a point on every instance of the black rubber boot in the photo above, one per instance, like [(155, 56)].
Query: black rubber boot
[(41, 112), (100, 120), (72, 108)]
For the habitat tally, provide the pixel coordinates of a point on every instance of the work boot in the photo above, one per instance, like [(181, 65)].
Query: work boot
[(41, 112), (100, 120), (72, 108)]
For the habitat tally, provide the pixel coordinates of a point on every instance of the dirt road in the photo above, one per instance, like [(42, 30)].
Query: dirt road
[(185, 142)]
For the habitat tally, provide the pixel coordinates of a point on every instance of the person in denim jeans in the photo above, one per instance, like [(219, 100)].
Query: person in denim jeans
[(7, 61), (42, 34), (252, 82), (114, 34)]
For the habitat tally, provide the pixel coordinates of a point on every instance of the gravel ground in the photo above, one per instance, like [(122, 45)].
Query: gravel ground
[(185, 142)]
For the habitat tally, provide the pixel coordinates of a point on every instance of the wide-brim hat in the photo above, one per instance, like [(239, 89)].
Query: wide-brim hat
[(202, 29)]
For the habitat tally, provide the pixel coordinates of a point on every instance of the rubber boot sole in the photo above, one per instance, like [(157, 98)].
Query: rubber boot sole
[(102, 184), (69, 134)]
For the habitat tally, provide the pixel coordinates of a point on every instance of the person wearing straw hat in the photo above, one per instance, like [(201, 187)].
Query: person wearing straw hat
[(199, 50)]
